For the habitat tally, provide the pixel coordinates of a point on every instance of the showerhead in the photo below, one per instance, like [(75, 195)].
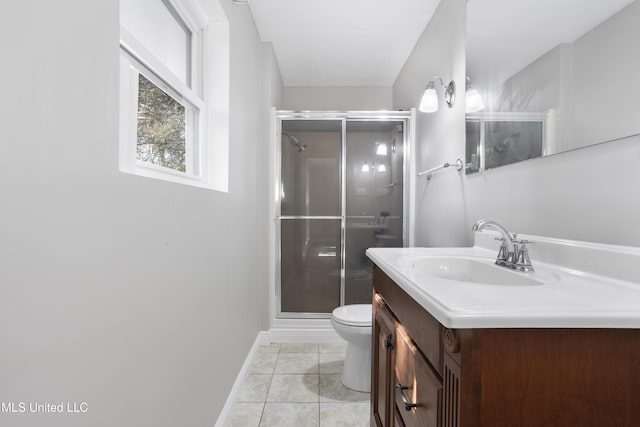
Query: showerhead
[(292, 140), (295, 142)]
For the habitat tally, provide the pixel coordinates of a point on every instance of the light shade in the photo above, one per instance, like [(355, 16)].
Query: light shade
[(382, 168), (473, 101), (382, 149), (365, 167), (429, 101)]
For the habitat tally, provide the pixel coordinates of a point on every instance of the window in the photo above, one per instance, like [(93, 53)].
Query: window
[(161, 130), (161, 98)]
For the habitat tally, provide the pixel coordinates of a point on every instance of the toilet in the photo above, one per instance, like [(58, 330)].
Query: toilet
[(353, 323)]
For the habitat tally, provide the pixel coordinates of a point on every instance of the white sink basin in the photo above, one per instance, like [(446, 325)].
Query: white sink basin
[(466, 269), (574, 285)]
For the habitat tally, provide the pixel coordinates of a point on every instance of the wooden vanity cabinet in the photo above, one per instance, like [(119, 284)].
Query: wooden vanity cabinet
[(406, 360), (497, 377)]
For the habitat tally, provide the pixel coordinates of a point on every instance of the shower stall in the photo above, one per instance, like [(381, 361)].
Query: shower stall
[(341, 180)]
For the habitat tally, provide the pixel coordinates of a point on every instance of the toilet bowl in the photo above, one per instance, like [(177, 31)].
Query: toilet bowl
[(353, 323)]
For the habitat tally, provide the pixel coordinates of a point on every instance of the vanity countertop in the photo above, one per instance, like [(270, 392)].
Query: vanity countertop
[(577, 294)]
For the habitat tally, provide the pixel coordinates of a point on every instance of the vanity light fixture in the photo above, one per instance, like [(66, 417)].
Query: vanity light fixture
[(473, 101), (382, 149), (382, 167), (365, 167), (429, 100)]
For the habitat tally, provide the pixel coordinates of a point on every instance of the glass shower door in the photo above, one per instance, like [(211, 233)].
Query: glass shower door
[(310, 216), (341, 192), (374, 199)]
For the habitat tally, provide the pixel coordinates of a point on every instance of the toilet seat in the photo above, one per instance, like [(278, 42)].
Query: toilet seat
[(354, 315)]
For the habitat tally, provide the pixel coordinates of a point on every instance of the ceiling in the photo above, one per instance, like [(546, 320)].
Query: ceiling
[(341, 42), (367, 42)]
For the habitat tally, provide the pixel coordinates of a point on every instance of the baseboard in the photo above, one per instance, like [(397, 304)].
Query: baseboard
[(320, 335), (293, 335), (303, 331), (226, 409)]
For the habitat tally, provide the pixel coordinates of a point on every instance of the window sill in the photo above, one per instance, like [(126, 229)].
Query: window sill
[(164, 174)]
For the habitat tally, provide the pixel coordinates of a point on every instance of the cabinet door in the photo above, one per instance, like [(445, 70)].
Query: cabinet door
[(382, 364), (397, 418), (417, 388)]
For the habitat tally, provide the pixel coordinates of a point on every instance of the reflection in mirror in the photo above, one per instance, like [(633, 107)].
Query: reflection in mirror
[(551, 75)]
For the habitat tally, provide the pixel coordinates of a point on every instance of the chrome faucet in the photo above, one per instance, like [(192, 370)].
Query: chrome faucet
[(513, 253)]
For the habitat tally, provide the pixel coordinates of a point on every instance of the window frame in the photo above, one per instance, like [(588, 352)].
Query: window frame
[(136, 59)]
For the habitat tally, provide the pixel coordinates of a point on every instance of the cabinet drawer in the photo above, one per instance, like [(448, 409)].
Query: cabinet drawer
[(417, 388)]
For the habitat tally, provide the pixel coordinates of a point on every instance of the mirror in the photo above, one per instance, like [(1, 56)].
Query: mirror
[(550, 76)]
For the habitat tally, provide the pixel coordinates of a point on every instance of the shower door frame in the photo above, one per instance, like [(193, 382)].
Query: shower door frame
[(408, 119)]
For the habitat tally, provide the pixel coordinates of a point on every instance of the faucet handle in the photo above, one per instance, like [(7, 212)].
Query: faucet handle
[(522, 261), (503, 252)]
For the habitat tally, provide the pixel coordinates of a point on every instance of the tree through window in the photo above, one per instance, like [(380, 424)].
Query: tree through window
[(161, 127)]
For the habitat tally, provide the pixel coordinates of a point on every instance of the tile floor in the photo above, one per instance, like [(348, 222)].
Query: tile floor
[(298, 385)]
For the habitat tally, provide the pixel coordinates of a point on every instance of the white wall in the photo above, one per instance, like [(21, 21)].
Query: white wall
[(140, 297), (439, 203), (609, 53), (338, 98), (588, 194), (272, 98), (564, 79)]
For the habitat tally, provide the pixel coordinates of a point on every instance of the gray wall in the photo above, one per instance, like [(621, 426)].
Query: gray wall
[(140, 297), (609, 56), (589, 194), (592, 83), (272, 97), (439, 203), (338, 98)]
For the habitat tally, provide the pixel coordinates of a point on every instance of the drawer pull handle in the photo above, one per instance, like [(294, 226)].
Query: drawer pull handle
[(388, 345), (407, 403)]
